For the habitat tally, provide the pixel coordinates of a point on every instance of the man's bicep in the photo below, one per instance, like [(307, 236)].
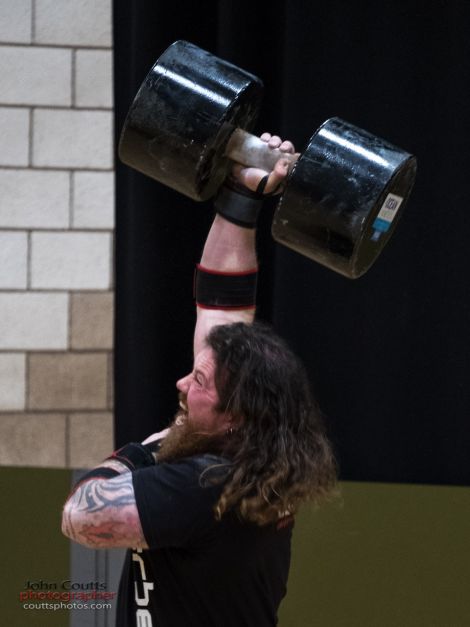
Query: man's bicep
[(208, 318), (102, 513)]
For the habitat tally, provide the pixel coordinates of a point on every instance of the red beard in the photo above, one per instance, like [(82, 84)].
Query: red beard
[(185, 440)]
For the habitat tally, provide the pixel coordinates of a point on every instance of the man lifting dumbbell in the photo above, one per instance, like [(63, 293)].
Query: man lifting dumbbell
[(206, 507)]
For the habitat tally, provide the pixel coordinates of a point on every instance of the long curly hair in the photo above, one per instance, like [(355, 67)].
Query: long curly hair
[(280, 453)]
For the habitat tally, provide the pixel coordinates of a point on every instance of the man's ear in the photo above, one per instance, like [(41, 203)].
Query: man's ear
[(233, 423)]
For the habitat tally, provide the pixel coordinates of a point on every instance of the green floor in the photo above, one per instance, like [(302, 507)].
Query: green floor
[(387, 556), (34, 550)]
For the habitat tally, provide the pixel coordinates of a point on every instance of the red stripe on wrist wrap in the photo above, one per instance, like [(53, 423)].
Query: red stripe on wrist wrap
[(216, 289)]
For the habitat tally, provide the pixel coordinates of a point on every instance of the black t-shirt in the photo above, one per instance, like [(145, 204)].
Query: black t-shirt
[(199, 572)]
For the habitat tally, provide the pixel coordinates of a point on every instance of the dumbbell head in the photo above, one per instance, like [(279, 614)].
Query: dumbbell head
[(344, 197), (182, 117)]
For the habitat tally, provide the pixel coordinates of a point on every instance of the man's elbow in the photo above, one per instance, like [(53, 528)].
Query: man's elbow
[(70, 526), (66, 527)]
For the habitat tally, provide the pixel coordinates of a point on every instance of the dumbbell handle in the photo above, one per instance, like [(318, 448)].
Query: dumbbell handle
[(250, 150)]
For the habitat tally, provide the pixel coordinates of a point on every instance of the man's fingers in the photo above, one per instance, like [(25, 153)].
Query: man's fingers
[(156, 436), (251, 177), (287, 146), (274, 142), (277, 176)]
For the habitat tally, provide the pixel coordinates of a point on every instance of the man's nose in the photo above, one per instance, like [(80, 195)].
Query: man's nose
[(182, 385)]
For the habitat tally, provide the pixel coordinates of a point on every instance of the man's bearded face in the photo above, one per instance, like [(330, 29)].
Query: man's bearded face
[(185, 438), (199, 398)]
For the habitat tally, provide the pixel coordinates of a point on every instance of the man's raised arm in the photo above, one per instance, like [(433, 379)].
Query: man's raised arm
[(226, 276)]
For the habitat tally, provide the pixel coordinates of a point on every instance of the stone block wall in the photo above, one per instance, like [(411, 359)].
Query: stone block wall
[(56, 232)]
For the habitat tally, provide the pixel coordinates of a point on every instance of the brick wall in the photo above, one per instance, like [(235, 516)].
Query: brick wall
[(56, 232)]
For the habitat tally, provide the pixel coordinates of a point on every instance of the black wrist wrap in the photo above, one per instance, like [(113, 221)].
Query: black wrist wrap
[(237, 204), (134, 455), (225, 290)]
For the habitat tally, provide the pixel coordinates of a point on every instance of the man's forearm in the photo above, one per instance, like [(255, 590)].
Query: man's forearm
[(101, 511), (132, 456), (114, 464), (229, 248)]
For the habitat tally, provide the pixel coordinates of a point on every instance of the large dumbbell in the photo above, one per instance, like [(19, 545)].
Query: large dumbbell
[(190, 120)]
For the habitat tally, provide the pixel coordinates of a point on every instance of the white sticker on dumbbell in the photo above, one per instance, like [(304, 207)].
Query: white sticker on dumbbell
[(387, 213)]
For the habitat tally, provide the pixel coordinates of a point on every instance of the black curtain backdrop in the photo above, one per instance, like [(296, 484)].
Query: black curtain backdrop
[(388, 354)]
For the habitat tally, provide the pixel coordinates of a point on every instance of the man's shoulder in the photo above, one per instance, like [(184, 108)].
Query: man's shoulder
[(208, 468)]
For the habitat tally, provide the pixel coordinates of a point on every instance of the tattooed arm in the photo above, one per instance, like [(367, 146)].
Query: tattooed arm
[(102, 513)]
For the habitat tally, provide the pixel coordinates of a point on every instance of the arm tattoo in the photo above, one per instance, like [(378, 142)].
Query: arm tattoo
[(94, 496), (102, 513)]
